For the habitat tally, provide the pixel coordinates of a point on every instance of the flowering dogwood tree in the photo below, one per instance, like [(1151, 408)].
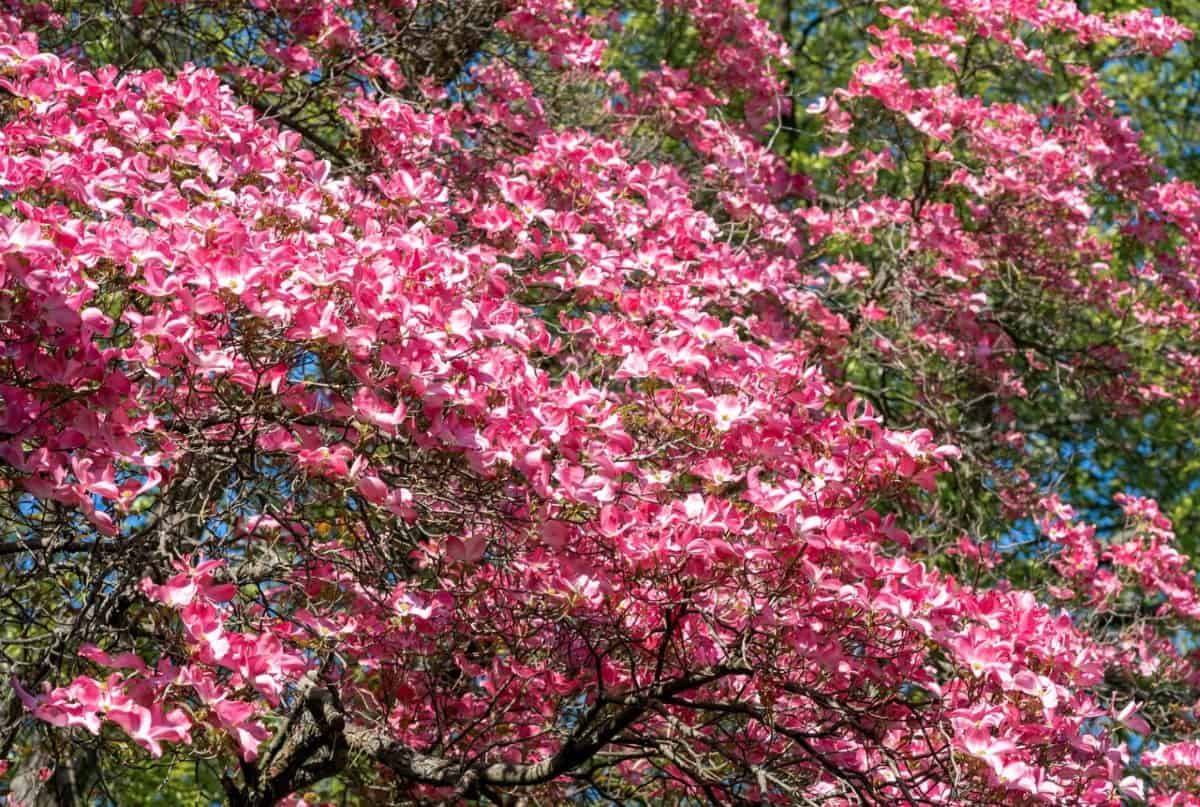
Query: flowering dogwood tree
[(516, 402)]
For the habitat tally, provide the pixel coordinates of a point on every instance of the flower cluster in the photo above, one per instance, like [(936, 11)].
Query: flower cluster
[(518, 453)]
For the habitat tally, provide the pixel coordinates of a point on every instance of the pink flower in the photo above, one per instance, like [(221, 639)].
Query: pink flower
[(725, 410), (991, 750), (1128, 718), (190, 583), (983, 655), (149, 726), (1039, 686)]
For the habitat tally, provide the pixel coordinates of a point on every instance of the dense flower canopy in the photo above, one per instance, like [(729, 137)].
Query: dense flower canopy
[(474, 402)]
